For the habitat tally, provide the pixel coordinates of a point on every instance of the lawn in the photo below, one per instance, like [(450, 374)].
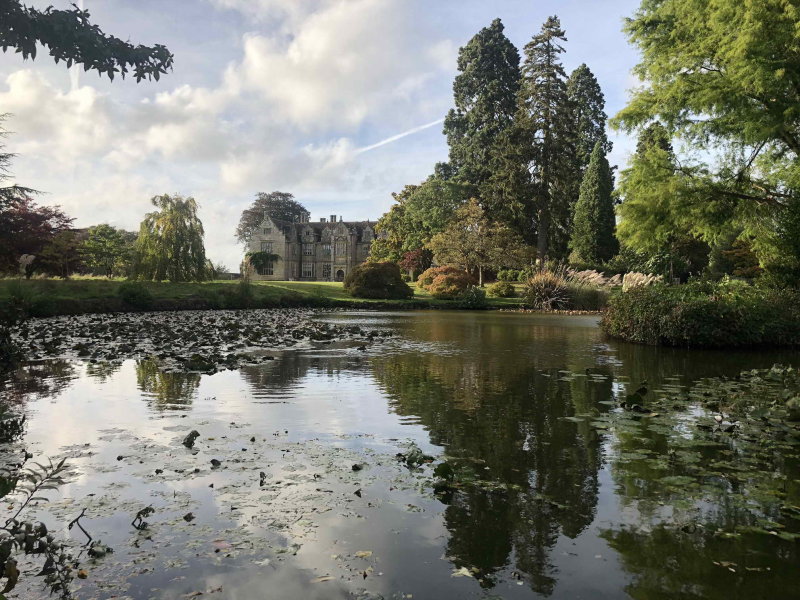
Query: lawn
[(94, 294)]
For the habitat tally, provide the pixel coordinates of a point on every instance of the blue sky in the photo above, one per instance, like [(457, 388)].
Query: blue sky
[(305, 96)]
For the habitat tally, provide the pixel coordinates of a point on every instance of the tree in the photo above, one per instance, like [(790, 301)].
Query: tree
[(71, 37), (421, 212), (26, 228), (536, 161), (170, 242), (107, 250), (587, 105), (60, 256), (484, 93), (416, 261), (654, 205), (724, 76), (280, 206), (593, 238), (473, 242)]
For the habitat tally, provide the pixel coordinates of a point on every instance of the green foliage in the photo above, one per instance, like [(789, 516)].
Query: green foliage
[(60, 256), (421, 212), (502, 289), (472, 298), (450, 285), (72, 38), (593, 238), (377, 280), (170, 242), (135, 294), (280, 206), (260, 260), (722, 76), (705, 315), (484, 94), (108, 250), (545, 118), (472, 241), (508, 275)]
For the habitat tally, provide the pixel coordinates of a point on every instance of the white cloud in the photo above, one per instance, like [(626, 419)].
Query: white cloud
[(321, 80)]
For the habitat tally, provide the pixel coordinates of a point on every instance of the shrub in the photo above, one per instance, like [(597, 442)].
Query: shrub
[(502, 289), (426, 279), (377, 280), (507, 275), (546, 290), (705, 315), (449, 286), (473, 298), (524, 275), (135, 294)]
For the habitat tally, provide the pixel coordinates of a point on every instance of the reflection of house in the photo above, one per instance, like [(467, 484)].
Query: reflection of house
[(325, 250)]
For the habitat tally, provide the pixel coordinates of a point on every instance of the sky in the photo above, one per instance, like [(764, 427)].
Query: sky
[(338, 102)]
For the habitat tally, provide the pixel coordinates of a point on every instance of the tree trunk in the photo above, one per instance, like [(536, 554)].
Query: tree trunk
[(542, 237), (480, 275)]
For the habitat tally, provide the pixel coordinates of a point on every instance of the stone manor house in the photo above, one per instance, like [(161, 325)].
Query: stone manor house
[(324, 250)]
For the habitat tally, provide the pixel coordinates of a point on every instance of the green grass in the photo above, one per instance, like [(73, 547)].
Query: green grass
[(56, 296)]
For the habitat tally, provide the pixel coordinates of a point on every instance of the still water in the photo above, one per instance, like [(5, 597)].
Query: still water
[(555, 496)]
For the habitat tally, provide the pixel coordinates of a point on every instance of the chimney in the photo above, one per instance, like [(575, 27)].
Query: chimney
[(333, 218), (340, 218), (322, 219)]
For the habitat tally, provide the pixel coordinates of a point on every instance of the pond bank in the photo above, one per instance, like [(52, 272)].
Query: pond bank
[(51, 297)]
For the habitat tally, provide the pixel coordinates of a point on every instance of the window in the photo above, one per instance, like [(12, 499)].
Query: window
[(267, 230), (308, 270), (367, 235), (308, 250), (266, 269), (326, 249), (266, 247), (294, 250), (326, 270), (340, 248)]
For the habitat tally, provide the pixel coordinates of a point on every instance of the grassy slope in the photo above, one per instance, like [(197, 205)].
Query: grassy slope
[(101, 294)]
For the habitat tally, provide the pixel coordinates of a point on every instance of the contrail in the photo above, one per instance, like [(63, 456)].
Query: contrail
[(394, 138)]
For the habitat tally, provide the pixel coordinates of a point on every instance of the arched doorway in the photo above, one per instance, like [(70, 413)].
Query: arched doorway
[(340, 275)]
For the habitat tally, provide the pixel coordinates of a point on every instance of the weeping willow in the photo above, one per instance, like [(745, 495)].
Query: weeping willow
[(170, 243)]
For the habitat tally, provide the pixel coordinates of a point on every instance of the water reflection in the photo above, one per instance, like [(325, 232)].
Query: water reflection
[(564, 494), (166, 389)]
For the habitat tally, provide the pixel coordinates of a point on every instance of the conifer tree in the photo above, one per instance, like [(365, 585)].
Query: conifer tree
[(544, 120), (593, 238), (484, 94), (588, 114)]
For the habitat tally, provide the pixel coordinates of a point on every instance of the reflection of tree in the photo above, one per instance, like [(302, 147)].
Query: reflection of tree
[(102, 371), (33, 381), (505, 417), (670, 562), (164, 387)]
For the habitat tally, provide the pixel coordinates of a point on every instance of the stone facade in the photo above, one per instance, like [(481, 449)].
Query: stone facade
[(324, 250)]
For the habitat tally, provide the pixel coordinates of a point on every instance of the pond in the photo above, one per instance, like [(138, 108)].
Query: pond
[(467, 455)]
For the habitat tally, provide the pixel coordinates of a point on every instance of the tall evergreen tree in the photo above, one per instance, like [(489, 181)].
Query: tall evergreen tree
[(593, 238), (588, 114), (484, 94), (544, 120)]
